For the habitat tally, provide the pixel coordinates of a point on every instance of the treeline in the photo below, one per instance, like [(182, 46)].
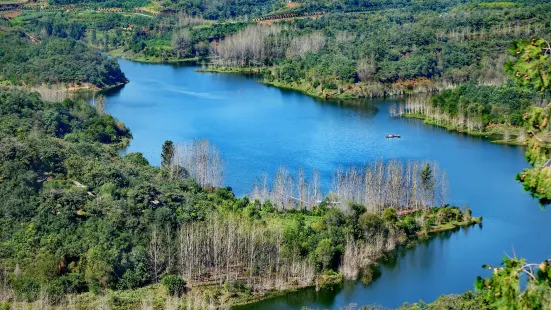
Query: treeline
[(76, 217), (377, 186), (102, 3), (30, 61), (420, 47)]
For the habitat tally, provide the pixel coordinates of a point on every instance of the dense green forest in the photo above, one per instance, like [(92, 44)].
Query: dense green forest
[(391, 48), (386, 52), (55, 57)]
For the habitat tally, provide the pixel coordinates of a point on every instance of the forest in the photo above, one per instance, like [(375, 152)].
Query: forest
[(56, 57), (384, 53), (358, 49)]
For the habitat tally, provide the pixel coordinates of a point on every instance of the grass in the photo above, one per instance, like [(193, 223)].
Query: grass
[(455, 224)]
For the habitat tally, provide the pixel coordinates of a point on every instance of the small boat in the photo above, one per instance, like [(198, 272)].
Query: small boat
[(392, 136)]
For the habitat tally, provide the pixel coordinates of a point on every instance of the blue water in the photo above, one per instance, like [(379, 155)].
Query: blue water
[(257, 128)]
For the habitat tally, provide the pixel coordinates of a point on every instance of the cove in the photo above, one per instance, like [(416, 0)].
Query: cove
[(257, 128)]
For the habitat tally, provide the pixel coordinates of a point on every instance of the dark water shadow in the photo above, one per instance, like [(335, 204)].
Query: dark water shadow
[(326, 297)]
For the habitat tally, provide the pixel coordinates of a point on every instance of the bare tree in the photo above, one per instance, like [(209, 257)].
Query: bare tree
[(99, 103), (202, 161), (366, 69), (182, 42), (156, 248), (250, 46), (303, 45)]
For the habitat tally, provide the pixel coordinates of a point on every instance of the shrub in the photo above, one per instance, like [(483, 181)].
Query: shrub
[(390, 215), (26, 288), (175, 285), (331, 85), (370, 223)]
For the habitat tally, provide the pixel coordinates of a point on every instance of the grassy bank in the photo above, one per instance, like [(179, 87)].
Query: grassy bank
[(495, 133)]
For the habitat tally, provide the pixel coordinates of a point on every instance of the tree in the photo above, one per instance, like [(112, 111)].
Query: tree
[(503, 289), (324, 252), (427, 181), (167, 153), (93, 36), (182, 42), (175, 285), (367, 69)]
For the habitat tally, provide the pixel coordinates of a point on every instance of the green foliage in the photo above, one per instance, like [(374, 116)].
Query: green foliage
[(167, 153), (136, 158), (175, 285), (390, 215), (54, 60), (530, 64), (466, 301), (77, 217), (324, 252), (427, 179), (370, 223), (27, 288), (504, 104), (503, 290)]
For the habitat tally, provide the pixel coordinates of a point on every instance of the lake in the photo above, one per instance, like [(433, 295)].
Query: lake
[(257, 128)]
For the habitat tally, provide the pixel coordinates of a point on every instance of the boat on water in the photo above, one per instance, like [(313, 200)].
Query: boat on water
[(392, 136)]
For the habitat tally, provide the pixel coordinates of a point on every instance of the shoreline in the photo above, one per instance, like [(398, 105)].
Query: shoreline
[(482, 134), (360, 90), (201, 293)]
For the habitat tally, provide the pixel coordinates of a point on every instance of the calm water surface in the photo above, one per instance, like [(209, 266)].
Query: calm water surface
[(258, 128)]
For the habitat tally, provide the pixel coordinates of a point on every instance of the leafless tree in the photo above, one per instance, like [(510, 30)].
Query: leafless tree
[(99, 103), (251, 46), (185, 20), (181, 42), (202, 161), (156, 252), (366, 69), (305, 44), (231, 248), (377, 186)]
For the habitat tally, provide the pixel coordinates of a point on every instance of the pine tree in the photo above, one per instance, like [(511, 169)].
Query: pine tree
[(167, 153)]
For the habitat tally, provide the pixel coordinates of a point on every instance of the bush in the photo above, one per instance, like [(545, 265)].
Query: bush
[(26, 288), (370, 223), (175, 285), (390, 215), (331, 85)]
